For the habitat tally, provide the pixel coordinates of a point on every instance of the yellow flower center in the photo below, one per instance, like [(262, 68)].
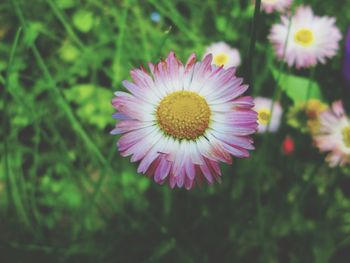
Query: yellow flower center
[(264, 116), (220, 59), (183, 115), (346, 136), (304, 37)]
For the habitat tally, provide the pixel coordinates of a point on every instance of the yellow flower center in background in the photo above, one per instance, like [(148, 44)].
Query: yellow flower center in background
[(304, 37), (264, 116), (346, 136), (183, 115), (220, 59), (314, 108)]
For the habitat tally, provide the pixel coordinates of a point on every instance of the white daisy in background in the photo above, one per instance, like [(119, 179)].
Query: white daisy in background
[(269, 114), (270, 6), (180, 121), (223, 55), (311, 38), (334, 135)]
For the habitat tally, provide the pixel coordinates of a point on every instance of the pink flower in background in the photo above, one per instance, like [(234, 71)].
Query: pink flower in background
[(270, 6), (311, 38), (269, 118), (180, 121), (223, 55), (334, 135)]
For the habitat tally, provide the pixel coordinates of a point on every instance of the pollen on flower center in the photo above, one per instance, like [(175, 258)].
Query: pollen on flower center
[(183, 115), (220, 59), (264, 116), (346, 136), (304, 37)]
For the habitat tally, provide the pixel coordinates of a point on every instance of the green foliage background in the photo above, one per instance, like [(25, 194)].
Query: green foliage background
[(67, 196)]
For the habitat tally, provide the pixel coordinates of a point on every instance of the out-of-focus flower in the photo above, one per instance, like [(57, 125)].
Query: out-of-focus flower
[(346, 68), (313, 109), (334, 135), (181, 121), (155, 17), (223, 55), (288, 146), (270, 6), (305, 116), (269, 114), (311, 39)]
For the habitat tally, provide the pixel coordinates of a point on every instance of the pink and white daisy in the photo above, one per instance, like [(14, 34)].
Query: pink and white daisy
[(270, 6), (223, 55), (179, 121), (311, 39), (269, 114), (334, 135)]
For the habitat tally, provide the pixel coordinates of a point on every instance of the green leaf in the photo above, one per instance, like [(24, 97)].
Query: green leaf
[(93, 102), (32, 32), (65, 4), (68, 52), (221, 23), (83, 20), (162, 249), (297, 88)]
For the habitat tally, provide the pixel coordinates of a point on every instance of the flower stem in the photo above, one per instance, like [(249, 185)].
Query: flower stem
[(253, 41), (5, 124)]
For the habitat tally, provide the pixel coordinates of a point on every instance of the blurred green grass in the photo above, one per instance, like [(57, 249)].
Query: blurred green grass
[(67, 196)]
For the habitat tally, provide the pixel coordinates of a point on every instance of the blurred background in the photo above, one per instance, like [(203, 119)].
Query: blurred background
[(66, 195)]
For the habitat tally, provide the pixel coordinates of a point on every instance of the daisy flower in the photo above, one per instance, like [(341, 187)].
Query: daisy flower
[(269, 114), (275, 5), (311, 39), (334, 135), (223, 55), (179, 121)]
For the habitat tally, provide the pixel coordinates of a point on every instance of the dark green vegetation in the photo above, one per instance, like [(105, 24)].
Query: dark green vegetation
[(67, 196)]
